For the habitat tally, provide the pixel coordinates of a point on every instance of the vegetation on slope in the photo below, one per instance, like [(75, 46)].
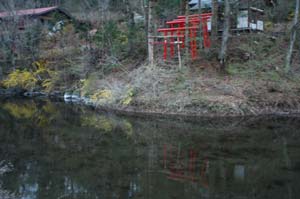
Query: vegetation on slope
[(104, 58)]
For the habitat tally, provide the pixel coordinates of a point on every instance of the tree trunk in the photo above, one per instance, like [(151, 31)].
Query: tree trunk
[(130, 22), (150, 33), (182, 7), (200, 25), (225, 36), (146, 5), (1, 73), (214, 20), (292, 38), (186, 36)]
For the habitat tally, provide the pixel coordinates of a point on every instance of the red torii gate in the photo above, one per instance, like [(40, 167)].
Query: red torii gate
[(177, 28)]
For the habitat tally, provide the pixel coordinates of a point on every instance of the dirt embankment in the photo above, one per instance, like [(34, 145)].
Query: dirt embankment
[(193, 91)]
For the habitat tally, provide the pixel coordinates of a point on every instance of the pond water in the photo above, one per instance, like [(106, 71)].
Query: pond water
[(52, 150)]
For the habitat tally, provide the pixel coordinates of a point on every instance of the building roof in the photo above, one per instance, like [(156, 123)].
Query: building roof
[(30, 12), (204, 4)]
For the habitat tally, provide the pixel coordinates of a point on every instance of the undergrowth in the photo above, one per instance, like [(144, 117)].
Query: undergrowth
[(35, 77)]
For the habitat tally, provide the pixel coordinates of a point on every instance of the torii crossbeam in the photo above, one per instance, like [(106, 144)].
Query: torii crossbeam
[(178, 27)]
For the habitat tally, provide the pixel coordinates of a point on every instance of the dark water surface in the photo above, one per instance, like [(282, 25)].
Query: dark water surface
[(53, 150)]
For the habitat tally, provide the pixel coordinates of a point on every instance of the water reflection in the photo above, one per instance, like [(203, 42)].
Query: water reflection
[(176, 162), (53, 150)]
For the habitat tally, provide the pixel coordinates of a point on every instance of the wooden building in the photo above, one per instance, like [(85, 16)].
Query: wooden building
[(247, 14), (47, 16)]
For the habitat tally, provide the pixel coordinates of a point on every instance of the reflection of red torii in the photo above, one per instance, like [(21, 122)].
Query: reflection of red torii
[(176, 167), (178, 27)]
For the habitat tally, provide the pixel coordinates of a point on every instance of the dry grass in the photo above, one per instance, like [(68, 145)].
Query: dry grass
[(254, 84), (194, 91)]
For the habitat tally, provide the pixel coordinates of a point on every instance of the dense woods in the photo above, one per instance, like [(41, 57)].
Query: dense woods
[(108, 49)]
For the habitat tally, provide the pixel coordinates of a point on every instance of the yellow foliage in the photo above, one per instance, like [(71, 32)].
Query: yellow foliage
[(291, 16), (40, 68), (106, 124), (68, 28), (23, 79), (268, 25), (89, 85), (102, 122), (127, 100), (48, 112), (25, 111), (49, 108), (42, 116), (40, 64), (29, 80), (127, 127), (102, 96), (129, 97), (48, 84), (123, 39)]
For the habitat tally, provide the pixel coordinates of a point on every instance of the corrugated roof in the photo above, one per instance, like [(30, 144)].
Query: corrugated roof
[(28, 12)]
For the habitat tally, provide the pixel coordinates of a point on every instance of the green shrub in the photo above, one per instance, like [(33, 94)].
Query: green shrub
[(111, 38)]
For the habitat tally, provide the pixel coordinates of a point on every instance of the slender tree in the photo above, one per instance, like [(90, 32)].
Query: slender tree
[(182, 7), (131, 23), (214, 20), (225, 36), (151, 4), (1, 73), (200, 26), (292, 38), (187, 12)]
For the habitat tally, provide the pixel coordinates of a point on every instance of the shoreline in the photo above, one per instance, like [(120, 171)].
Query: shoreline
[(136, 111)]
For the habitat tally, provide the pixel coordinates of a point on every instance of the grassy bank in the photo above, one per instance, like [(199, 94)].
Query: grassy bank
[(194, 91), (254, 84)]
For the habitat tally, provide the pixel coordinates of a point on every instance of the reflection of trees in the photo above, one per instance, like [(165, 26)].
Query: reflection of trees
[(4, 168), (69, 159), (44, 113), (243, 159), (74, 156), (41, 113), (100, 168)]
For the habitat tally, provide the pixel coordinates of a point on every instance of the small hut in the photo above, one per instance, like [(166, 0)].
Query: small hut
[(47, 16), (247, 14)]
